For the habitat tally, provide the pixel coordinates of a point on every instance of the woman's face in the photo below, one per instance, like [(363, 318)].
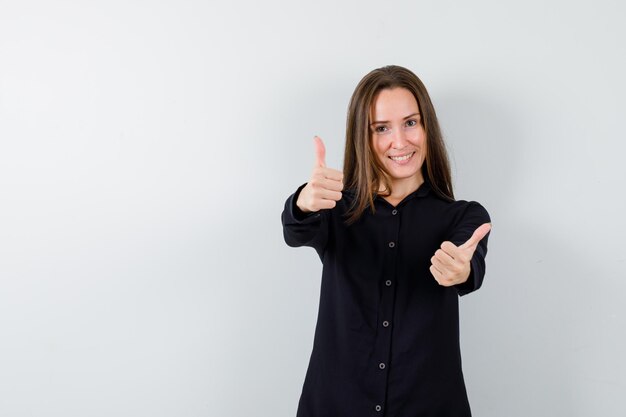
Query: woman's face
[(398, 137)]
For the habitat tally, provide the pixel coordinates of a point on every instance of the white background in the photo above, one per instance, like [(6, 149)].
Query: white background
[(147, 148)]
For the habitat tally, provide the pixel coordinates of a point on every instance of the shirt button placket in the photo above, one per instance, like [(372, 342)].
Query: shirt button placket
[(388, 297)]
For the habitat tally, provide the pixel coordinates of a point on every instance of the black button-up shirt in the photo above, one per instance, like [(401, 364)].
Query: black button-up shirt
[(387, 336)]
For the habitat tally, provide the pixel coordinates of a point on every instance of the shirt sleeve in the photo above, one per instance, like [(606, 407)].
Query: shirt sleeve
[(304, 229), (474, 216)]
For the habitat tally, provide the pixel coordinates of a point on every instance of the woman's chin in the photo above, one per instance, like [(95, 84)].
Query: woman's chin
[(402, 172)]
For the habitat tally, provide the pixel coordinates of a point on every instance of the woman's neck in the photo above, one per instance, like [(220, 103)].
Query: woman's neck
[(400, 188)]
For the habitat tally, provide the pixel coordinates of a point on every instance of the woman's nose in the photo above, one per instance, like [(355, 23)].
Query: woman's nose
[(399, 140)]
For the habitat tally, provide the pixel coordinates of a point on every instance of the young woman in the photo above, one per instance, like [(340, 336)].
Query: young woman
[(397, 251)]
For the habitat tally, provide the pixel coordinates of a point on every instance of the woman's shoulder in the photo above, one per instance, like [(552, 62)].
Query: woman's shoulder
[(467, 209)]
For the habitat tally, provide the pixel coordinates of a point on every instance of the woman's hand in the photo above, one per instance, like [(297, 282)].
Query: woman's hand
[(451, 263), (324, 188)]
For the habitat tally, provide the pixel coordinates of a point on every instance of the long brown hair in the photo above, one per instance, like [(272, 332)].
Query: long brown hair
[(363, 173)]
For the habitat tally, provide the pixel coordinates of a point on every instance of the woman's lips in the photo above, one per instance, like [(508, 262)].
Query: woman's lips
[(402, 158)]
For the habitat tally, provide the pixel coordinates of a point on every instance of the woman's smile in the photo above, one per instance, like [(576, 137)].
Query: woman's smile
[(402, 159)]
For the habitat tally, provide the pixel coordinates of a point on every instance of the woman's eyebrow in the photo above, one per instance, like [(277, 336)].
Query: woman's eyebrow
[(387, 121)]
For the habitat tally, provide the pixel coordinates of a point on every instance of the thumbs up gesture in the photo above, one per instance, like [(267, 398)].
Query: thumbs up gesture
[(324, 188), (451, 263)]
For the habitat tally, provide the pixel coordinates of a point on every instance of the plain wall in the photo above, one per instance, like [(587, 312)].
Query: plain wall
[(147, 148)]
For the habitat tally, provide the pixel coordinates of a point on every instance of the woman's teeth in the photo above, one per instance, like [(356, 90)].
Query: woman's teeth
[(401, 158)]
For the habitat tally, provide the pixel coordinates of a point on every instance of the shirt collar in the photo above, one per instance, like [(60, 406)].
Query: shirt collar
[(422, 191)]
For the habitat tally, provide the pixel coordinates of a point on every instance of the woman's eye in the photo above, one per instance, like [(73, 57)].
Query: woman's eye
[(380, 129), (411, 123)]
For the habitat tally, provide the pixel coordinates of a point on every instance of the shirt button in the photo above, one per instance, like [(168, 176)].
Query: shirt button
[(385, 323), (392, 244), (381, 365), (394, 212), (388, 283), (378, 407)]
